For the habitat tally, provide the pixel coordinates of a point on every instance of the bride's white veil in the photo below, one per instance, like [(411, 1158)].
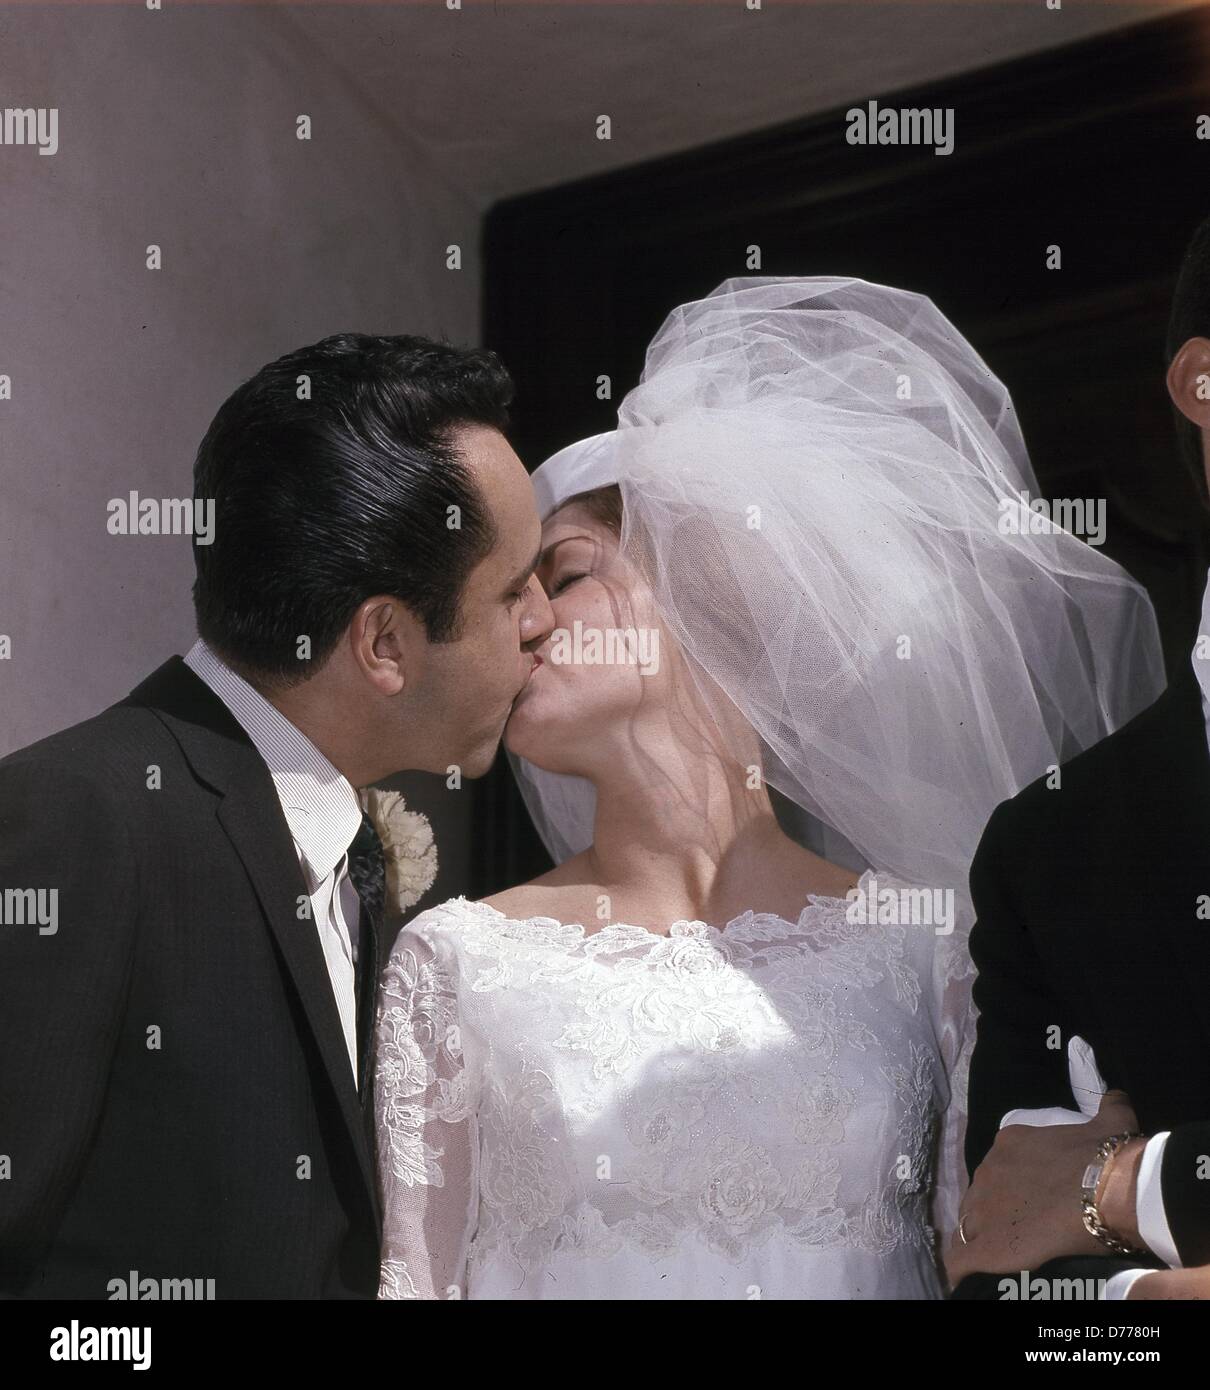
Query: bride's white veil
[(827, 490), (828, 493)]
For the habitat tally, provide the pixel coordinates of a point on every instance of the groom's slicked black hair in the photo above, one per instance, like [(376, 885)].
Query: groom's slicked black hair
[(1190, 318), (332, 472)]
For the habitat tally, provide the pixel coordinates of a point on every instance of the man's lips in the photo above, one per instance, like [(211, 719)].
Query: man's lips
[(530, 675)]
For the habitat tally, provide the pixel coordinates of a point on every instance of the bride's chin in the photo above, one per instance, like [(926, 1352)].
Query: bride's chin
[(542, 728), (518, 734), (525, 736)]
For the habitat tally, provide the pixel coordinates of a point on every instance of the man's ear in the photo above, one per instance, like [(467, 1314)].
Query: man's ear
[(1189, 381), (386, 642)]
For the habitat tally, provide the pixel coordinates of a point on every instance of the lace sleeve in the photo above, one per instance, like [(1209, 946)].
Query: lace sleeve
[(953, 977), (427, 1136)]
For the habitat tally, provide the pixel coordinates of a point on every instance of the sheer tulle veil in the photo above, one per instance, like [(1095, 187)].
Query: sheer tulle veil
[(827, 490)]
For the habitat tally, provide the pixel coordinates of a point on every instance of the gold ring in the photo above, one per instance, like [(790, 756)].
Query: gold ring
[(962, 1230)]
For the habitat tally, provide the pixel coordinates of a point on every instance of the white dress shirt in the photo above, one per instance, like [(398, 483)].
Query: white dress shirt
[(1150, 1216), (323, 812)]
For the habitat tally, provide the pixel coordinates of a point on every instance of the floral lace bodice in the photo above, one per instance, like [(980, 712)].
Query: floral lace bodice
[(741, 1112)]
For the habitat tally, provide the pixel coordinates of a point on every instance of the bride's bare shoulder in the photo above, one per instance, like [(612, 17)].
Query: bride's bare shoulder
[(803, 872)]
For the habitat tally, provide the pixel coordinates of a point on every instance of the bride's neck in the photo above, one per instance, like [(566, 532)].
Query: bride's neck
[(686, 834)]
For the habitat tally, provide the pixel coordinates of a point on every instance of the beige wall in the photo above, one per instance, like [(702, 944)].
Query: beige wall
[(176, 129), (168, 136)]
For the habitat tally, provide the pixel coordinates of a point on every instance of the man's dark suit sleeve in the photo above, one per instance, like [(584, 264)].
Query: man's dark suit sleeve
[(1011, 1067), (62, 994), (1185, 1188)]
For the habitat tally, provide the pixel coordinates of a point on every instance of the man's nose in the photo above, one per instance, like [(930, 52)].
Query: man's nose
[(539, 620)]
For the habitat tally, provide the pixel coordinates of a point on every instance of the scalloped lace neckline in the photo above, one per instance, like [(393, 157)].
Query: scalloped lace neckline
[(683, 926)]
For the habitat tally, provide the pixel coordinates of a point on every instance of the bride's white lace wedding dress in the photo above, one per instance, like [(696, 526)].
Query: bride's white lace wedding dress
[(746, 1112)]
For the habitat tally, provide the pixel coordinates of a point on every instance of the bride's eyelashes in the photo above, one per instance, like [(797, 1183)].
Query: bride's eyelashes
[(565, 581)]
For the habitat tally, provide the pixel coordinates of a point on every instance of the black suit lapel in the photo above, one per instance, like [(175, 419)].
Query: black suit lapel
[(367, 996), (367, 976), (250, 813)]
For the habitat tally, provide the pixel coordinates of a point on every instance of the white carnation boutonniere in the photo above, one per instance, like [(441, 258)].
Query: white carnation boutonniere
[(408, 848)]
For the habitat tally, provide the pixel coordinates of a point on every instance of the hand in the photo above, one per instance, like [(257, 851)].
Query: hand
[(1172, 1283), (1023, 1206)]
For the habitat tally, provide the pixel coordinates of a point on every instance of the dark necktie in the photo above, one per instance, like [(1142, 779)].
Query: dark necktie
[(367, 871)]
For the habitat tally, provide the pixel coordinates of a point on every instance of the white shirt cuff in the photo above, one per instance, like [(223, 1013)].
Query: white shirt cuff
[(1149, 1203), (1119, 1286)]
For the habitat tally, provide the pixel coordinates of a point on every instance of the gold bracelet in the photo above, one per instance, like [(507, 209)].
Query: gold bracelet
[(1093, 1224)]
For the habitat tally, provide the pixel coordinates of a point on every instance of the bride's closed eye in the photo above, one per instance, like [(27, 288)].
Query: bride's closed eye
[(565, 581)]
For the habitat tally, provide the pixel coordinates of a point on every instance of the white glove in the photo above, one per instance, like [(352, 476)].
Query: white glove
[(1087, 1086)]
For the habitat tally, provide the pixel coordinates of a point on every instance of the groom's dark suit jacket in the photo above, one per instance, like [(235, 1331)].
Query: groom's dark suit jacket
[(176, 1097), (1087, 902)]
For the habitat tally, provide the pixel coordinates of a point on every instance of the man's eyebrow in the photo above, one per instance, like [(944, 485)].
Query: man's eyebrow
[(524, 577)]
